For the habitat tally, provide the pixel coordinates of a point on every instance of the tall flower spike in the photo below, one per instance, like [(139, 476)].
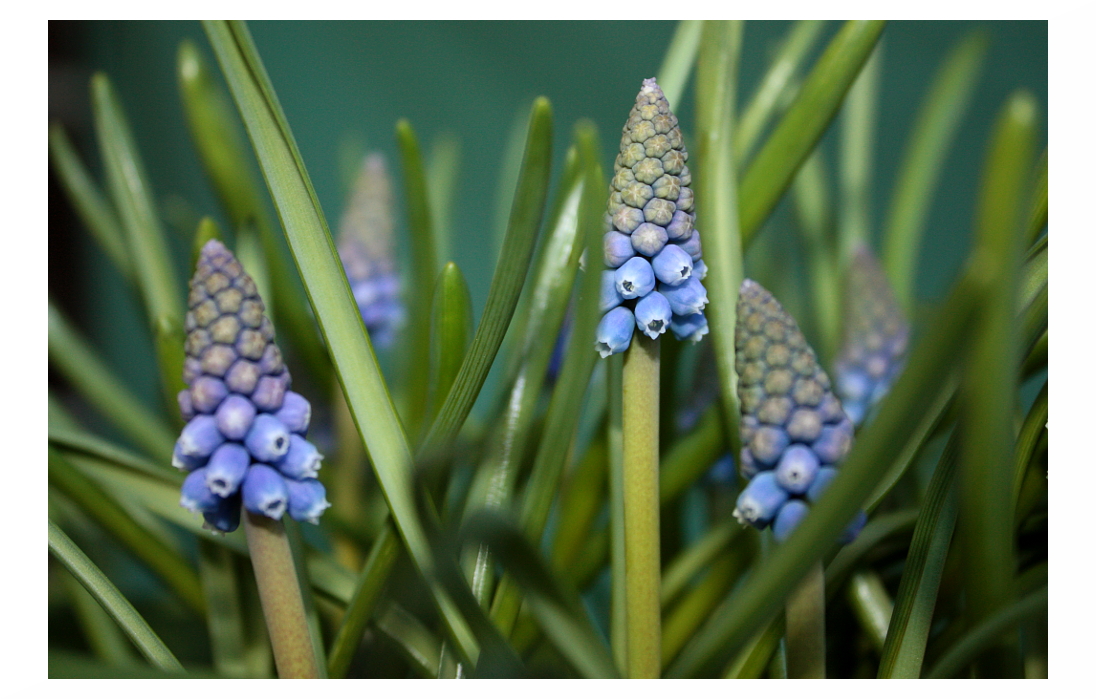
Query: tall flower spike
[(243, 418), (650, 240), (793, 429), (366, 249), (876, 337)]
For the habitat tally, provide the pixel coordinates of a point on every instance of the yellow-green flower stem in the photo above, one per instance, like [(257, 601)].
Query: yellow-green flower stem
[(643, 609), (805, 624), (280, 593)]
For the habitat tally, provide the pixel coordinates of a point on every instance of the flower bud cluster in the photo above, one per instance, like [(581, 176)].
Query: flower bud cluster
[(876, 338), (651, 247), (244, 441), (365, 244), (793, 429)]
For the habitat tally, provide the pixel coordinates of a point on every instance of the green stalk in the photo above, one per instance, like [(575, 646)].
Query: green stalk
[(716, 197), (618, 630), (640, 396), (280, 592), (988, 392), (119, 608), (805, 624)]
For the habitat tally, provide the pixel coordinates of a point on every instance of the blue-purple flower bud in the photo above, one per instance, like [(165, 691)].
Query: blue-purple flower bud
[(760, 500), (653, 314), (821, 481), (264, 492), (672, 266), (225, 517), (227, 468), (200, 437), (610, 298), (302, 460), (234, 417), (184, 462), (796, 469), (649, 239), (268, 439), (295, 413), (635, 278), (307, 500), (617, 248), (691, 327), (789, 517), (614, 332), (196, 495), (686, 298)]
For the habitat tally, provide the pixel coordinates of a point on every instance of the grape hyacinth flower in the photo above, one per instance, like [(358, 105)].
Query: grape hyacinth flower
[(365, 244), (651, 247), (794, 431), (876, 338), (244, 442)]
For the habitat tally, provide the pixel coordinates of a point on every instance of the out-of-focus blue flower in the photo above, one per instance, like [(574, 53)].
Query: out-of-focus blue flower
[(365, 244), (242, 417), (794, 433), (876, 338), (651, 235)]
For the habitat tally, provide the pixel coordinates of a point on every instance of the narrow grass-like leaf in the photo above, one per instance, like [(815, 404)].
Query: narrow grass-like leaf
[(780, 75), (857, 148), (904, 648), (556, 609), (753, 660), (988, 393), (758, 598), (227, 632), (110, 515), (923, 159), (565, 408), (897, 525), (871, 605), (328, 291), (510, 272), (451, 331), (151, 259), (581, 499), (771, 171), (419, 647), (80, 364), (367, 592), (1038, 219), (424, 266), (814, 212), (138, 630), (983, 636), (688, 564), (1035, 424), (442, 169), (88, 200), (75, 440), (107, 641), (222, 149), (677, 64), (685, 617), (692, 456), (716, 191)]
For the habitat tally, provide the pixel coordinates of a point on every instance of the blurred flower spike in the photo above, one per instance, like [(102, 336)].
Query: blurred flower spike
[(365, 244), (876, 338), (651, 247), (244, 442), (794, 431)]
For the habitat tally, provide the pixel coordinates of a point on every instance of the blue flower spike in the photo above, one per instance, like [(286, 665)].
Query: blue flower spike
[(651, 245), (366, 248), (244, 424), (793, 430), (876, 338)]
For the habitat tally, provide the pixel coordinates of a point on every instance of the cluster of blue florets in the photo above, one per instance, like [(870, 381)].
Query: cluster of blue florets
[(365, 244), (244, 442), (651, 247), (876, 338), (794, 431)]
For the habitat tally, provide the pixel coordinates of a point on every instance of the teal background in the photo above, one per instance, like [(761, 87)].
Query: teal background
[(342, 84)]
